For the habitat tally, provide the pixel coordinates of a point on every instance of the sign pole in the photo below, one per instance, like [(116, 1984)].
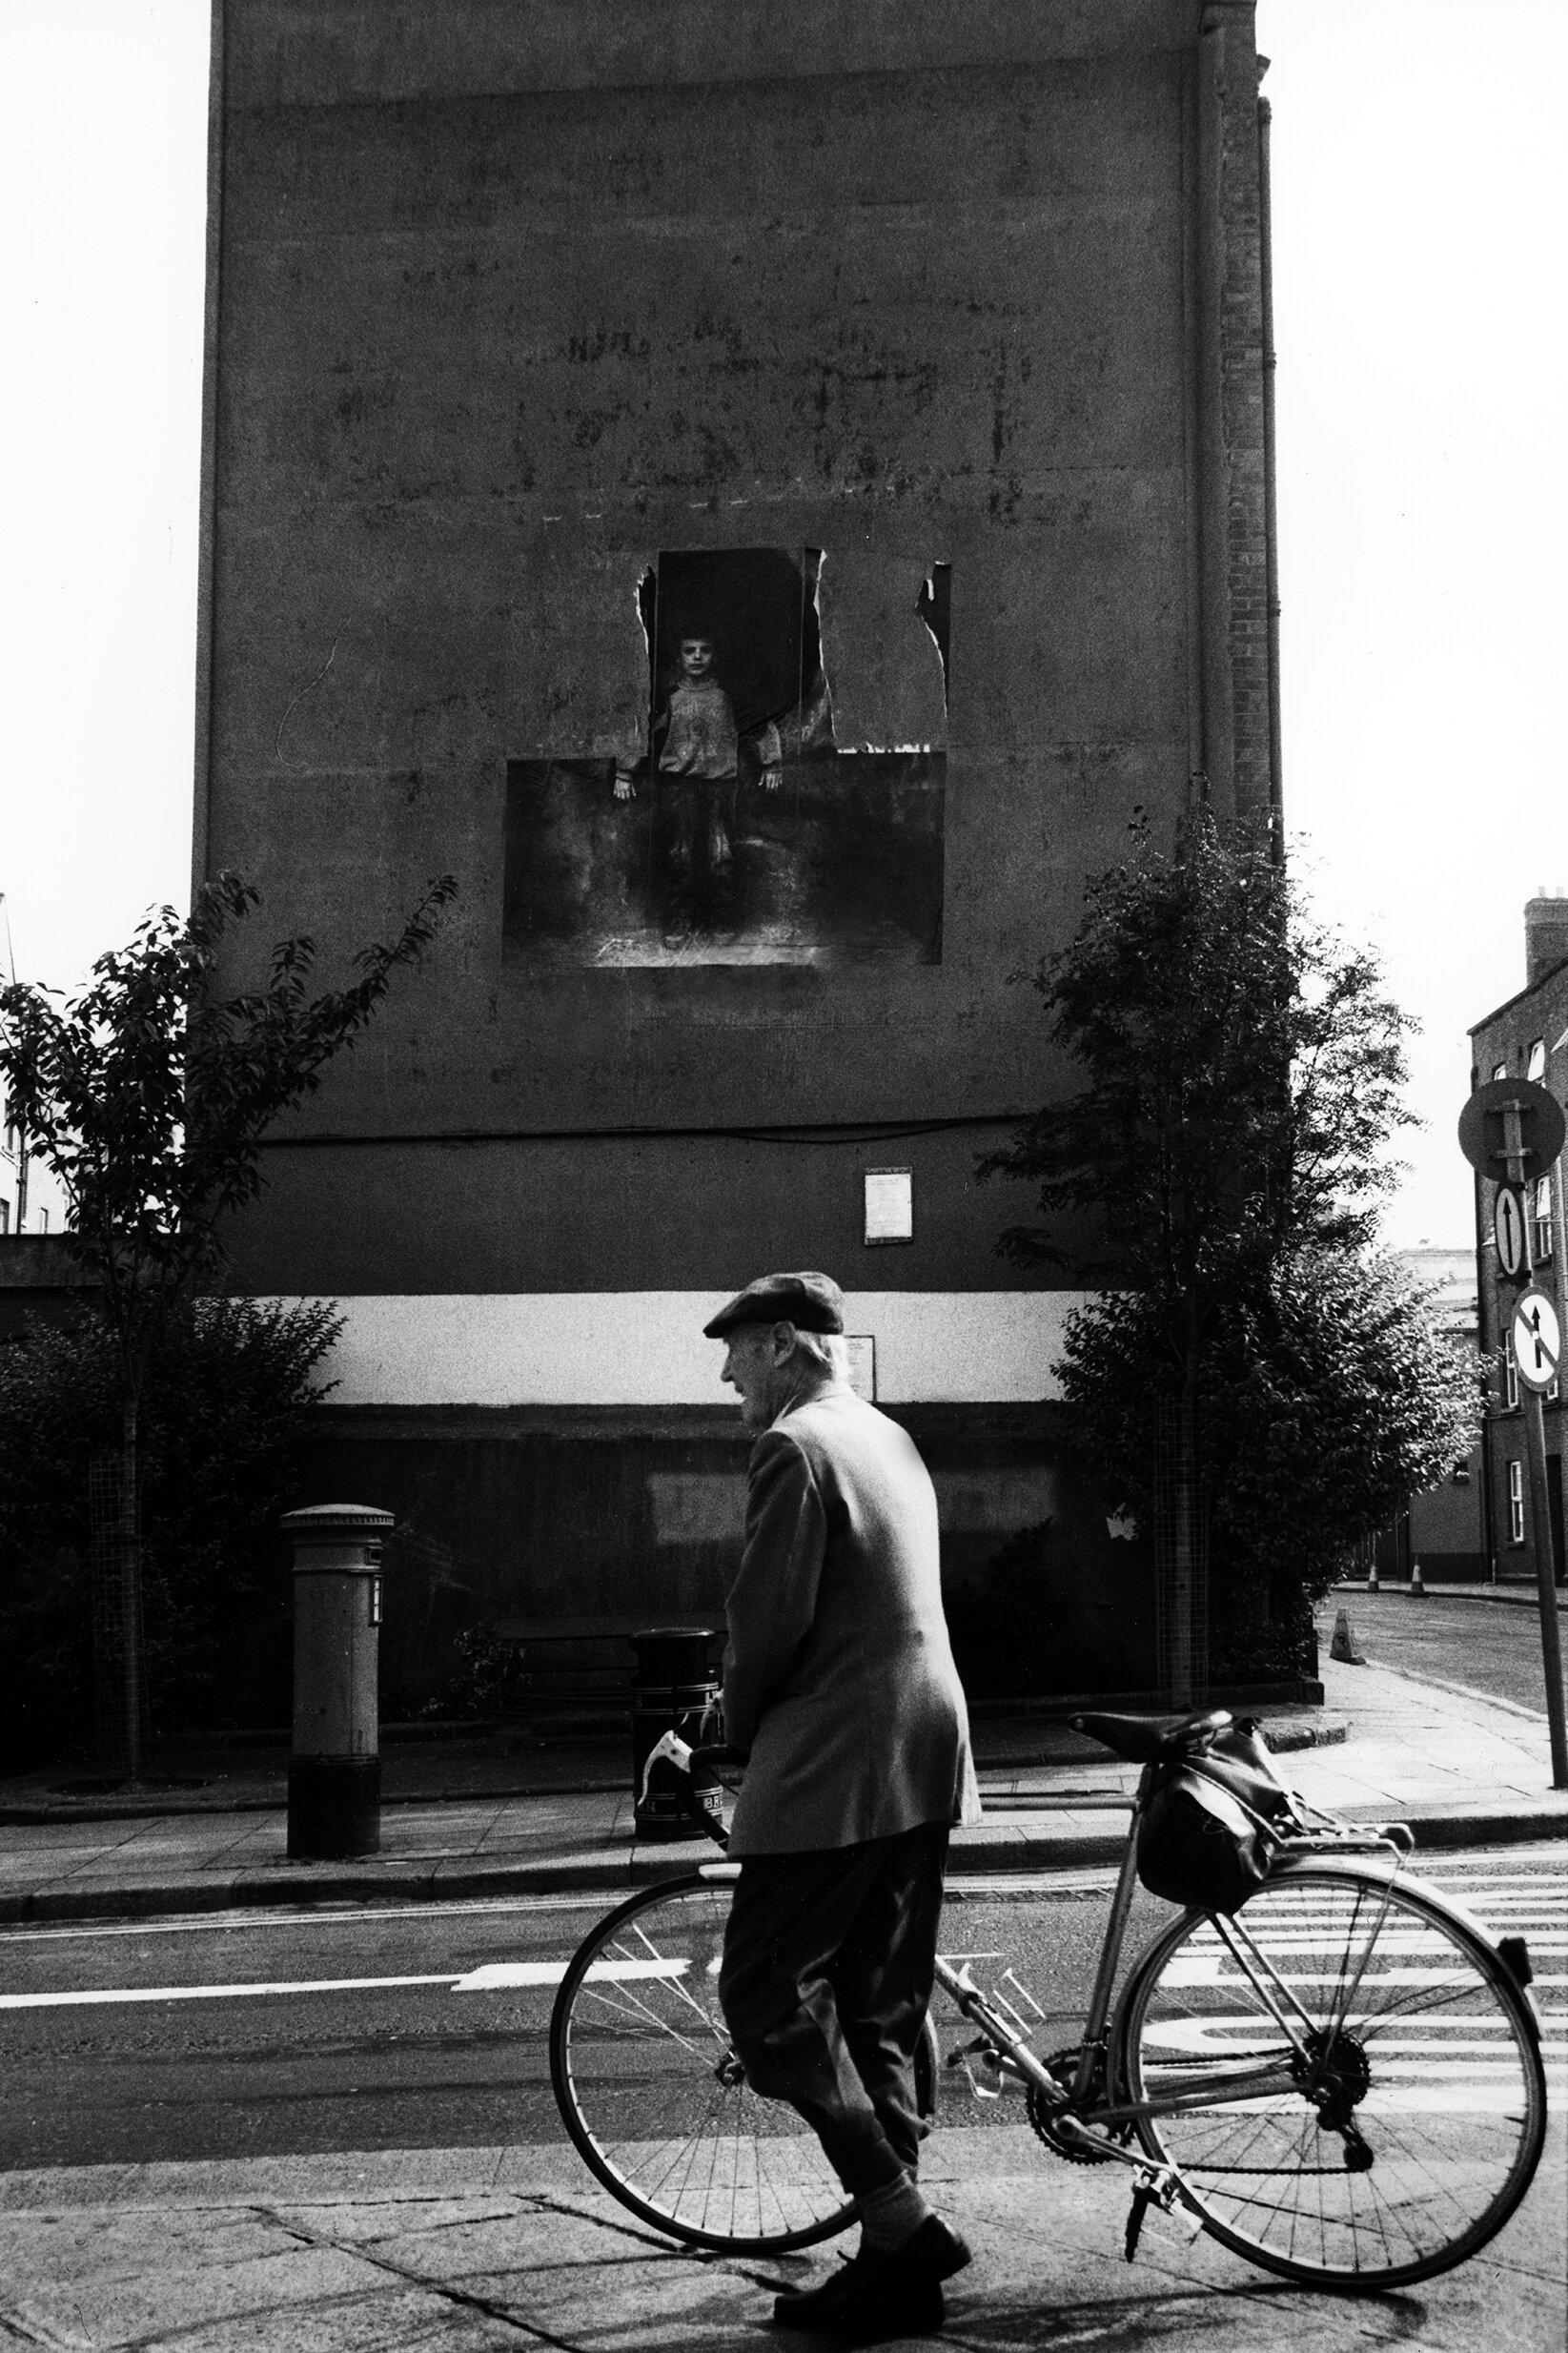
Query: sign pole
[(1551, 1638), (1540, 1516)]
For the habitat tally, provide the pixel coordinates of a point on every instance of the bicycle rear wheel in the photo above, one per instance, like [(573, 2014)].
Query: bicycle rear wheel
[(653, 2096), (1400, 2129)]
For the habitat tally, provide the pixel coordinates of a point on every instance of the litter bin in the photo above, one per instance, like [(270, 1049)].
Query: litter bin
[(334, 1771), (674, 1687)]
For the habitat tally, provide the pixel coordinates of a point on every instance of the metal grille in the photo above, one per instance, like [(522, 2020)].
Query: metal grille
[(119, 1684), (1181, 1557)]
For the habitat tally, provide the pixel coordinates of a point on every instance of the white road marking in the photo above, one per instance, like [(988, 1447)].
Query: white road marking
[(494, 1976), (209, 1993)]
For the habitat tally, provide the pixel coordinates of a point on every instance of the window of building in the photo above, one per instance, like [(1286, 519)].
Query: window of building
[(1543, 1219), (4, 1216), (42, 1222), (1536, 1066), (1510, 1372), (1515, 1502), (1502, 1070)]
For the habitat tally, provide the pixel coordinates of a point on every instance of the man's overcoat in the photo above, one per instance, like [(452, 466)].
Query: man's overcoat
[(839, 1677)]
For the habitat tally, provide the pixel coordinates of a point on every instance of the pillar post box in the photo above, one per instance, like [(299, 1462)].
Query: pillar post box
[(334, 1771)]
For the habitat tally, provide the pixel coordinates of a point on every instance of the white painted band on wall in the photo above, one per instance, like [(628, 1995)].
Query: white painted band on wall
[(647, 1347)]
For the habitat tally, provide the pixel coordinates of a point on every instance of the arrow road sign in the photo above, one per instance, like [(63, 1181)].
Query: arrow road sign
[(1508, 1229), (1483, 1128), (1537, 1341)]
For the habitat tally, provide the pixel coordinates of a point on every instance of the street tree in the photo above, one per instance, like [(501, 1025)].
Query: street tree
[(1249, 1376), (149, 1093)]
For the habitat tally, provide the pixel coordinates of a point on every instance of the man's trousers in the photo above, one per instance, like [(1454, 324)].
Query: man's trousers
[(829, 1962)]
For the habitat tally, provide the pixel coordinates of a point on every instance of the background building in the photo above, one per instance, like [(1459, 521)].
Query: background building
[(1527, 1037), (915, 365)]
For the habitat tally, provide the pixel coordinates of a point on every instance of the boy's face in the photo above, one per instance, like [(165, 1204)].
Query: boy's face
[(697, 657)]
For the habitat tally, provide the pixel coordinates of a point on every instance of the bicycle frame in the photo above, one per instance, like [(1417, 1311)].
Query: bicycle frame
[(1007, 2034)]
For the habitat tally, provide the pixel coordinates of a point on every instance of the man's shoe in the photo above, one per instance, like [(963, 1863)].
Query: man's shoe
[(878, 2305), (877, 2297), (809, 2307), (934, 2253)]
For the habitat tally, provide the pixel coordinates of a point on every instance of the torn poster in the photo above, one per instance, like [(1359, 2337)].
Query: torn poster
[(741, 827)]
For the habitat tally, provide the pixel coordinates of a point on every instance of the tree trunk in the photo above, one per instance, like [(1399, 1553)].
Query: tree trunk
[(1181, 1547), (118, 1665)]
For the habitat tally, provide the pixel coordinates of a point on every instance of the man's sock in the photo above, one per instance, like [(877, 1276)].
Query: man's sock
[(889, 2217)]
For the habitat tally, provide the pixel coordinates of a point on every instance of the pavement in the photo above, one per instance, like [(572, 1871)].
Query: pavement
[(1458, 1767), (474, 2248)]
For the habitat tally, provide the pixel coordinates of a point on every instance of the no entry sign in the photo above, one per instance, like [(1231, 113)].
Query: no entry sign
[(1537, 1341)]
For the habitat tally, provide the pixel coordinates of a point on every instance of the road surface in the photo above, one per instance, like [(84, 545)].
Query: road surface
[(213, 2052), (1493, 1647)]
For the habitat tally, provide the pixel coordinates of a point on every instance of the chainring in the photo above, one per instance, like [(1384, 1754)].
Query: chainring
[(1064, 2064)]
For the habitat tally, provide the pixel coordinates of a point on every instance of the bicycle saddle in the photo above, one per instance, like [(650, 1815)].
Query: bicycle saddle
[(1142, 1739)]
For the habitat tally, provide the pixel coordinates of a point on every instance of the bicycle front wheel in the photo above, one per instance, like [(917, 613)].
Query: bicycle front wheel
[(1346, 2076), (653, 2097)]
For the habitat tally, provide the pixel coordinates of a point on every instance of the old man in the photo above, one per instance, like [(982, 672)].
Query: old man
[(840, 1682)]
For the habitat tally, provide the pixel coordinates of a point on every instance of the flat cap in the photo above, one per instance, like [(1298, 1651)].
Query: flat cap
[(812, 1302)]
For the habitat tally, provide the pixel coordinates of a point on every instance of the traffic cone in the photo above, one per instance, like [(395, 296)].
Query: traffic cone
[(1417, 1586), (1343, 1645)]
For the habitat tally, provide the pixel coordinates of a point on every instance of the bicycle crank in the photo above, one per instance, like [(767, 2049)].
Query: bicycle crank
[(1061, 2131)]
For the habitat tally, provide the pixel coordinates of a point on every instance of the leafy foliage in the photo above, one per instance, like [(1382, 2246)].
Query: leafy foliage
[(231, 1384), (1328, 1401), (148, 1095), (1245, 1075)]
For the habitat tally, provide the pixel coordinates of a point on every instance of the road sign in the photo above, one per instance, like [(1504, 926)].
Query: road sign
[(1508, 1229), (1483, 1128), (1537, 1341)]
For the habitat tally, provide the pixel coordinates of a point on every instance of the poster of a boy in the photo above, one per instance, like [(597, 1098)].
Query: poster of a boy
[(696, 757)]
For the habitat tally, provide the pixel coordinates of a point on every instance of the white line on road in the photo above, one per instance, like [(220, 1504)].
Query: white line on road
[(207, 1993), (493, 1977)]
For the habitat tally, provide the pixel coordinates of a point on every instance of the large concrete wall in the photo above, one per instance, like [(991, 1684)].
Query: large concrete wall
[(508, 300)]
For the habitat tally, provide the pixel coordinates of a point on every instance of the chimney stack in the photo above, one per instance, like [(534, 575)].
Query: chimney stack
[(1545, 935)]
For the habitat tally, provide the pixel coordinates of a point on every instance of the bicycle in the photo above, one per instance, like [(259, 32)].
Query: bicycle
[(1341, 2082)]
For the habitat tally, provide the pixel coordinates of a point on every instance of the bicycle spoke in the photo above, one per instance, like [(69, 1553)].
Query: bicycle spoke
[(648, 2085), (685, 1991), (1405, 2129)]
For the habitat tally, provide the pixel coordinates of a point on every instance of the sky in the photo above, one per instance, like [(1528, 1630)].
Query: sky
[(1418, 218)]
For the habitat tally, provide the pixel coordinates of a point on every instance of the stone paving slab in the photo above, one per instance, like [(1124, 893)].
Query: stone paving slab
[(474, 2248)]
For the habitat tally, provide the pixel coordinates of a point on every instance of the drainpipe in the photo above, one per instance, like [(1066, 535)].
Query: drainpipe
[(1265, 272)]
